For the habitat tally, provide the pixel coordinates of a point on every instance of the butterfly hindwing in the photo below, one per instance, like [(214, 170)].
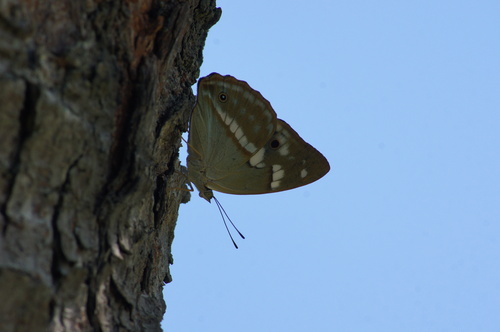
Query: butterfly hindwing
[(285, 162)]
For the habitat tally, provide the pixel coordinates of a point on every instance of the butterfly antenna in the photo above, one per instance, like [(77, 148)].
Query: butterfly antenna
[(222, 213), (221, 208)]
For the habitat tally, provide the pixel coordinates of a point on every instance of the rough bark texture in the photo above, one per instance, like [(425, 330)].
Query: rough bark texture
[(94, 97)]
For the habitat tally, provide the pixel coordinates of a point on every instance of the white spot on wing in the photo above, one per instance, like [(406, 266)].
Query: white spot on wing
[(283, 150), (221, 113), (243, 142), (238, 133), (233, 126), (257, 158), (251, 148), (278, 173), (303, 173), (237, 130)]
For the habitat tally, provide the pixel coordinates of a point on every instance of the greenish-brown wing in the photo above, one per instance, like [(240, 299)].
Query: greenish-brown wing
[(229, 124), (285, 162)]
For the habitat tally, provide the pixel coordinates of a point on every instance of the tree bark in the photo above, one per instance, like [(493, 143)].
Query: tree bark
[(94, 98)]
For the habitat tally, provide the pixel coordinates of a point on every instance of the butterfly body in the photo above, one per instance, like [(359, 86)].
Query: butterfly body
[(237, 145)]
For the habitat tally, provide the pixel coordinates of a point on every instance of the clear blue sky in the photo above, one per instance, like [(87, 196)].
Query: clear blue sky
[(403, 234)]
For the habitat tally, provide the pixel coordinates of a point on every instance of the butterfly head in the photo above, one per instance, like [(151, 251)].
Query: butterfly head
[(207, 194)]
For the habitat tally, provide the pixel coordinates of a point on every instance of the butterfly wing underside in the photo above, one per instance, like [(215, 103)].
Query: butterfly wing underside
[(238, 146), (229, 124), (285, 162)]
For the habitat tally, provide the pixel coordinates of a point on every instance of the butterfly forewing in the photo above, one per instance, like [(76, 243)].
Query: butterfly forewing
[(229, 124)]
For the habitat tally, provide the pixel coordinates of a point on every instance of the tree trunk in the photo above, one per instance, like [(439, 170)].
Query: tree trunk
[(94, 98)]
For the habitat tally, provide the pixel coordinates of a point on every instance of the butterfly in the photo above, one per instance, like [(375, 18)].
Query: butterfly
[(237, 145)]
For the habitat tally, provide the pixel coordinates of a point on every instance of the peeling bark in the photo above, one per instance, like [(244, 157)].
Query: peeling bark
[(94, 98)]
